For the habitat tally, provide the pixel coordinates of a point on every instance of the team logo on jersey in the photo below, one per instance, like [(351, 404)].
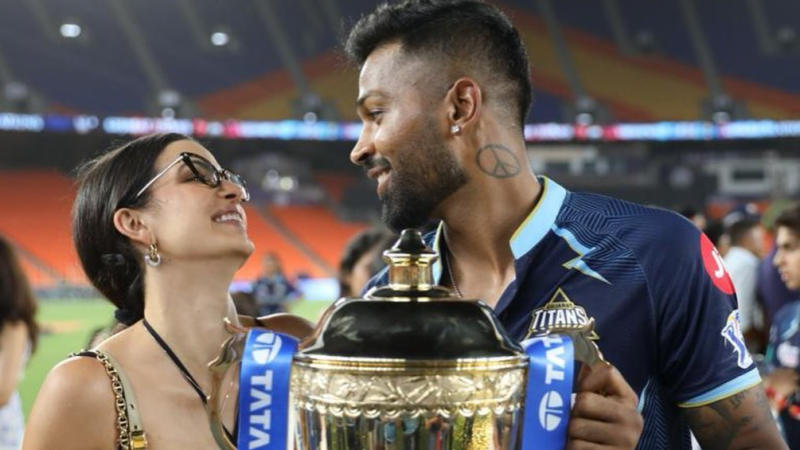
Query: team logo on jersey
[(715, 268), (559, 313), (732, 332)]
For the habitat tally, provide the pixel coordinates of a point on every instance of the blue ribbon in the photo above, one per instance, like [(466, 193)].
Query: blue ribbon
[(264, 390), (549, 391)]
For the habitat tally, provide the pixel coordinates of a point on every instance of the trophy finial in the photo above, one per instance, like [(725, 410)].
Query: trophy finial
[(410, 262)]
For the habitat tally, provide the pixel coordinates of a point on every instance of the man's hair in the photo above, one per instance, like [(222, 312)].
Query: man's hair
[(738, 231), (464, 31), (790, 218), (377, 238)]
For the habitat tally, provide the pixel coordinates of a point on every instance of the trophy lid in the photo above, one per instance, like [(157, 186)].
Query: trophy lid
[(410, 318)]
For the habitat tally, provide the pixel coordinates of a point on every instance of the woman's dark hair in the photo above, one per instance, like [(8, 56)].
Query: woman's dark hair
[(109, 182), (471, 32), (16, 299)]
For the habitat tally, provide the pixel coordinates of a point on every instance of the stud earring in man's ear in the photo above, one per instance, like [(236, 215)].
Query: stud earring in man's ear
[(455, 129)]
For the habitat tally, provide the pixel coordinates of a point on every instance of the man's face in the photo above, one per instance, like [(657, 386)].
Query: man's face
[(787, 257), (402, 144)]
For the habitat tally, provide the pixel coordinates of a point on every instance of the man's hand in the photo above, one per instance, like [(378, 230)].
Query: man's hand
[(740, 421), (605, 414)]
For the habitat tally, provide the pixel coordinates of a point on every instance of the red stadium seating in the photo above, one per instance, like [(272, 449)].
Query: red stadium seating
[(318, 229), (37, 220), (36, 205), (36, 276), (268, 239)]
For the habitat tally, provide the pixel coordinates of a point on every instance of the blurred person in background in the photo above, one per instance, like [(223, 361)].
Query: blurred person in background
[(444, 88), (783, 351), (18, 336), (362, 258), (696, 216), (741, 261), (272, 291), (772, 292), (160, 231)]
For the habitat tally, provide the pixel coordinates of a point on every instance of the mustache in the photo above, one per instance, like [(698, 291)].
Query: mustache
[(376, 161)]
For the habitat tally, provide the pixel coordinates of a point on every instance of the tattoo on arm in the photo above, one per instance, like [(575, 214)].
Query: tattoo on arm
[(733, 421), (497, 161)]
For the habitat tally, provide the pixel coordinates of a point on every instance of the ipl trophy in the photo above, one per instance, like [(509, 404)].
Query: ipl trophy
[(409, 366)]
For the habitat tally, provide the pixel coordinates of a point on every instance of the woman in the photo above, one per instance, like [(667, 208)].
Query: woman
[(18, 334), (160, 231)]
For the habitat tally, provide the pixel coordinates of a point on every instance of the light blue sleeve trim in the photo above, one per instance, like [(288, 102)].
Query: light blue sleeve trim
[(724, 390)]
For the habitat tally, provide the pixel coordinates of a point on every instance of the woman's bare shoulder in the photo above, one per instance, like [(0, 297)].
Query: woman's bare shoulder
[(74, 408)]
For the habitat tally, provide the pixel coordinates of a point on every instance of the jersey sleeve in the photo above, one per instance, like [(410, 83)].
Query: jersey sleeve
[(702, 354)]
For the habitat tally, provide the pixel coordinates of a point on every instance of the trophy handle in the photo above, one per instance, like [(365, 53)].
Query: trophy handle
[(230, 354)]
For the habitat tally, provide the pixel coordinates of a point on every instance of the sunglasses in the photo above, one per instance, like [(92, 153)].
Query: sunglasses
[(204, 171)]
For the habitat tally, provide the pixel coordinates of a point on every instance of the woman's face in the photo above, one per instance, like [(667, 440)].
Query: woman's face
[(192, 220)]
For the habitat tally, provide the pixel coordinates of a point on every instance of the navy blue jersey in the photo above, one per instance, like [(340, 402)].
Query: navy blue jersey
[(664, 306)]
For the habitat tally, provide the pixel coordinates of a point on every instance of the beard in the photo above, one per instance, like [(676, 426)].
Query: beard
[(423, 175)]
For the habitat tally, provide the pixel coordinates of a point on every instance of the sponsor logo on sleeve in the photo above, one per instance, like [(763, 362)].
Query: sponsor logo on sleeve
[(715, 268), (732, 332)]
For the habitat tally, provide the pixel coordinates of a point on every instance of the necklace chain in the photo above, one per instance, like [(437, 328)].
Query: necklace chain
[(184, 371), (448, 260), (177, 361)]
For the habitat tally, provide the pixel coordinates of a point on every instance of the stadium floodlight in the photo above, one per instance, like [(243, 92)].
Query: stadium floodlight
[(220, 39), (585, 110), (70, 30)]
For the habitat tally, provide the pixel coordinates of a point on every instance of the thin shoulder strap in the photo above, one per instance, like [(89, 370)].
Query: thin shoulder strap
[(129, 424)]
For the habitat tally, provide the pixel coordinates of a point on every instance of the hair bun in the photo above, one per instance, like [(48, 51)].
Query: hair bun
[(113, 259), (126, 316)]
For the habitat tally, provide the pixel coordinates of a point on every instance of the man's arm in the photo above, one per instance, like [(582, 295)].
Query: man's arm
[(741, 421)]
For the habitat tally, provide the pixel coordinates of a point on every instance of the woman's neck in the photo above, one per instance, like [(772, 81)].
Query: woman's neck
[(187, 307)]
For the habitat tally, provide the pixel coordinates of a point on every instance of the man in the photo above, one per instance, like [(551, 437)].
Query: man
[(361, 259), (443, 92), (783, 352), (741, 262)]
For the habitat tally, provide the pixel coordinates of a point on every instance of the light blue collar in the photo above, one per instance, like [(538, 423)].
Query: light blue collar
[(530, 232)]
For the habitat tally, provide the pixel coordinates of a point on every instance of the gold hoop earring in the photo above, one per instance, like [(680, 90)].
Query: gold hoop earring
[(152, 257)]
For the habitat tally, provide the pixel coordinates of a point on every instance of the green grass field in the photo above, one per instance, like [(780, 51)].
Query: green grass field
[(67, 324)]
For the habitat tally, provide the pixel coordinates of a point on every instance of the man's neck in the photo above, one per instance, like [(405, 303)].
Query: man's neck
[(480, 221)]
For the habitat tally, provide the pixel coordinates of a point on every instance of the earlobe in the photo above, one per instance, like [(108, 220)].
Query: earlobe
[(128, 223), (465, 102)]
